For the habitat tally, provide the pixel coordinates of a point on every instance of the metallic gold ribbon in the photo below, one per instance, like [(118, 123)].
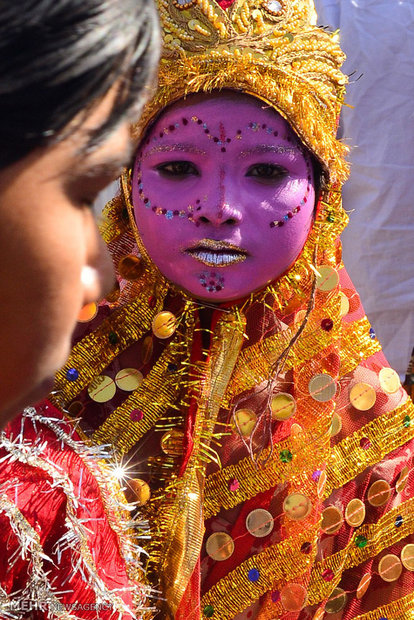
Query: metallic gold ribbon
[(402, 609), (186, 528), (346, 460), (94, 353), (234, 593)]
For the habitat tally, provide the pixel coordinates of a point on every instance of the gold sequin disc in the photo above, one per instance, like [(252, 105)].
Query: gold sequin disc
[(322, 387), (336, 424), (164, 324), (219, 546), (128, 379), (402, 480), (299, 316), (389, 380), (88, 313), (297, 506), (75, 409), (336, 602), (296, 430), (344, 307), (293, 597), (283, 406), (362, 396), (130, 267), (138, 491), (363, 585), (246, 421), (259, 522), (379, 493), (102, 389), (327, 279), (332, 520), (407, 557), (390, 567), (172, 442), (355, 512)]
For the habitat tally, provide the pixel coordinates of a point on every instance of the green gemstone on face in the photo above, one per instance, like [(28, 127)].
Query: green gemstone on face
[(208, 611), (330, 218), (286, 456), (407, 421), (361, 541)]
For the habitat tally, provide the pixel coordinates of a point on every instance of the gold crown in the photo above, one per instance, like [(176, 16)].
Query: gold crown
[(270, 49)]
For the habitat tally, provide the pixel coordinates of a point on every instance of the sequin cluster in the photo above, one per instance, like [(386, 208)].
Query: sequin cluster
[(169, 214), (220, 141), (290, 214), (211, 281)]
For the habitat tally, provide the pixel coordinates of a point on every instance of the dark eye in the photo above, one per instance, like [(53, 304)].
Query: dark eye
[(177, 169), (267, 172)]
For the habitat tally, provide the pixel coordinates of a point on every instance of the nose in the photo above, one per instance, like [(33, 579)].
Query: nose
[(218, 215), (97, 275)]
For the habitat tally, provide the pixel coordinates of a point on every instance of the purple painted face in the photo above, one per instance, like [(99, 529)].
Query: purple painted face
[(223, 195)]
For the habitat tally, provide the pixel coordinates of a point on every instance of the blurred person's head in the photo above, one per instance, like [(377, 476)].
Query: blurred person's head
[(73, 74)]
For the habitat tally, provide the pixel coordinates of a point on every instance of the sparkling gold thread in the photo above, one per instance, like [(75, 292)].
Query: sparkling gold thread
[(345, 461), (234, 593)]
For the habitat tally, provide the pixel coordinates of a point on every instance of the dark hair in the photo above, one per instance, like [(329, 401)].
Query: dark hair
[(59, 57)]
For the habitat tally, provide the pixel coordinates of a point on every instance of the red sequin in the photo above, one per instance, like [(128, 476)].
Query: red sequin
[(225, 4)]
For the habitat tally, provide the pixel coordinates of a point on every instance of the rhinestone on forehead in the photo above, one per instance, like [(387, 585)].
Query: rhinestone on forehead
[(183, 4), (274, 7)]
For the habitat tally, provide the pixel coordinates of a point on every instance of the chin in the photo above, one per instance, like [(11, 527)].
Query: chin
[(37, 381), (31, 396)]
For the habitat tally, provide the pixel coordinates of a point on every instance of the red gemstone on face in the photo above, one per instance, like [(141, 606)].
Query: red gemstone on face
[(290, 215), (327, 324), (234, 485)]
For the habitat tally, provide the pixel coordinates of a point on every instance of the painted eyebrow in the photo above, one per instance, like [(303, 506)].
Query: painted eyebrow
[(268, 148), (180, 147)]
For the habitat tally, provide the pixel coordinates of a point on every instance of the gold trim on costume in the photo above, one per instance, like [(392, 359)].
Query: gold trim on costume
[(385, 434), (284, 60), (129, 323), (345, 461), (402, 609), (157, 393), (234, 593)]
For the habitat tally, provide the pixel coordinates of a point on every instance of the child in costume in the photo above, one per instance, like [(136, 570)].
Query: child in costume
[(255, 419)]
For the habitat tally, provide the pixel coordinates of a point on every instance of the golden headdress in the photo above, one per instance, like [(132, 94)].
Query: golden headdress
[(268, 48)]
